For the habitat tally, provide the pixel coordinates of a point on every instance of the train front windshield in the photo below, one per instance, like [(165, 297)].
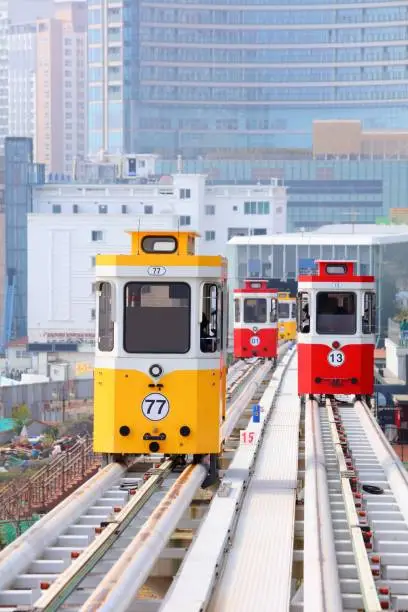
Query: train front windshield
[(157, 317), (255, 310), (336, 313), (283, 309)]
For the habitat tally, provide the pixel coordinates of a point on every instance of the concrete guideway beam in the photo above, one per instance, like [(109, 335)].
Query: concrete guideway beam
[(321, 580), (120, 586), (18, 556)]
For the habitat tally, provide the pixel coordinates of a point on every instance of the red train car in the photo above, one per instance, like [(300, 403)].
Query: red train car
[(256, 322), (336, 331)]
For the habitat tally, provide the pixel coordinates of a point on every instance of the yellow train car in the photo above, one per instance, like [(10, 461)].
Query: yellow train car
[(160, 359), (286, 316)]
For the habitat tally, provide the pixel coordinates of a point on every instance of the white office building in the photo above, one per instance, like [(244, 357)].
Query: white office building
[(71, 223), (218, 213)]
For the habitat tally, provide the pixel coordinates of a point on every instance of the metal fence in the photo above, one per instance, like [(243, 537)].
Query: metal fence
[(40, 395)]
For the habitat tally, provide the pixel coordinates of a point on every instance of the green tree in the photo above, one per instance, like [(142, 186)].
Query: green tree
[(401, 315), (21, 415)]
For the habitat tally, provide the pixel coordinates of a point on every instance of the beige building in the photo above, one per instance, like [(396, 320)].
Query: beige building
[(61, 87), (345, 138)]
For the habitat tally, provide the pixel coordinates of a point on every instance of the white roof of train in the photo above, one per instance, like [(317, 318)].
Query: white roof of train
[(341, 234)]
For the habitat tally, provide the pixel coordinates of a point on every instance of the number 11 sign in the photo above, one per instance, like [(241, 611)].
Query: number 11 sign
[(247, 438)]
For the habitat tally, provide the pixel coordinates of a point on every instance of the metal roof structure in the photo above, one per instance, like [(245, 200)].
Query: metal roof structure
[(341, 234)]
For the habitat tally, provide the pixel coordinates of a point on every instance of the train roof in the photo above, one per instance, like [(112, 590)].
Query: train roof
[(334, 271), (256, 285)]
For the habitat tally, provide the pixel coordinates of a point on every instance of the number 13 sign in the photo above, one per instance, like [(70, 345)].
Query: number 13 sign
[(247, 438)]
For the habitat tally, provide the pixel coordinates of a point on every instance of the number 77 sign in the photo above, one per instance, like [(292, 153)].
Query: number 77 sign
[(248, 438)]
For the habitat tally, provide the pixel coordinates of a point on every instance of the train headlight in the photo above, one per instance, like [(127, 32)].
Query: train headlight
[(155, 370), (336, 344)]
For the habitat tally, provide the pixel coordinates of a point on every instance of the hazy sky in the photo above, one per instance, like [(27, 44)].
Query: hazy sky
[(23, 11)]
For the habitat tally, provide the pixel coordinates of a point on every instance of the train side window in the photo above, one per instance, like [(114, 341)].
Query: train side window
[(237, 307), (273, 314), (336, 313), (369, 313), (225, 334), (105, 318), (210, 329), (157, 317), (303, 313), (255, 310), (283, 310), (294, 311)]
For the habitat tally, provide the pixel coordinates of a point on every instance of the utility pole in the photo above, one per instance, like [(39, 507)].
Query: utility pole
[(353, 213)]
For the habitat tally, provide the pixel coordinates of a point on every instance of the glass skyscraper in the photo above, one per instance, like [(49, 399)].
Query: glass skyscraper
[(193, 76)]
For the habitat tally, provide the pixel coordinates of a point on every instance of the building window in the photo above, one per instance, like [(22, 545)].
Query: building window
[(124, 209), (105, 319), (56, 208), (209, 236), (185, 220), (259, 232), (75, 208), (94, 287), (148, 210), (103, 209), (96, 236), (157, 318), (185, 194), (256, 208), (93, 261), (237, 231), (210, 210), (93, 314), (235, 208)]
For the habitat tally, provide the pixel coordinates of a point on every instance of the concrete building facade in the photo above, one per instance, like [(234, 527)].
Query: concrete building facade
[(217, 212)]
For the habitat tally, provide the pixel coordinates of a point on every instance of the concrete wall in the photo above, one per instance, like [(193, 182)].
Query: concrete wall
[(396, 359), (39, 396), (2, 269)]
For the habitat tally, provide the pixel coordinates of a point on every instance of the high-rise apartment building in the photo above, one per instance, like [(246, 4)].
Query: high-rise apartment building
[(61, 89), (22, 59), (241, 74), (4, 26)]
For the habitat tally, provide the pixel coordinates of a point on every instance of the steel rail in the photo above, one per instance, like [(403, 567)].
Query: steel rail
[(321, 581), (68, 580), (123, 581), (367, 584), (18, 555)]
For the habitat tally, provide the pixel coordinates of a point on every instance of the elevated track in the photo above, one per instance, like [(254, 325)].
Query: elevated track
[(311, 515)]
